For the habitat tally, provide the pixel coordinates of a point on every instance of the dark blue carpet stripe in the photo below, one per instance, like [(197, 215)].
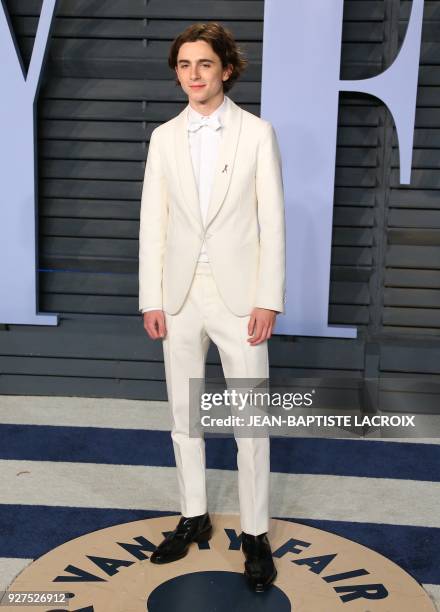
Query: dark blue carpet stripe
[(401, 460), (31, 531), (415, 549)]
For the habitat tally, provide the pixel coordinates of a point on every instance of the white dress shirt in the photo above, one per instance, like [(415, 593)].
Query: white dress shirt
[(204, 141)]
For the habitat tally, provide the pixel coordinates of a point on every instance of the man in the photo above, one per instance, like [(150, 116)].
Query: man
[(212, 267)]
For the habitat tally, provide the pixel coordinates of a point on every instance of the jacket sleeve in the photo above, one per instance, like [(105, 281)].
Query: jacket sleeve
[(271, 278), (152, 229)]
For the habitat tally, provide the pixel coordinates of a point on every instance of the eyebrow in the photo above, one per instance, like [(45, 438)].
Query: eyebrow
[(200, 60)]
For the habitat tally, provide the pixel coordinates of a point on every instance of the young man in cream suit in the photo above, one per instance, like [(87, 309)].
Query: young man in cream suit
[(212, 267)]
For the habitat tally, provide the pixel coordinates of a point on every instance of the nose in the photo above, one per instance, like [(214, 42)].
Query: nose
[(194, 73)]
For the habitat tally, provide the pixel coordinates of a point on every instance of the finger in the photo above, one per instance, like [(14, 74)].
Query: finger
[(161, 326), (151, 331), (251, 325), (270, 330), (259, 334), (259, 338), (152, 327), (147, 322), (256, 328)]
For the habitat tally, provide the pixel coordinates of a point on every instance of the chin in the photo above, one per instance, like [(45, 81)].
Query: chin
[(199, 96)]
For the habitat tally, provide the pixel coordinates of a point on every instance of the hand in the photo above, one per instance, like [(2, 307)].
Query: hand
[(154, 324), (260, 325)]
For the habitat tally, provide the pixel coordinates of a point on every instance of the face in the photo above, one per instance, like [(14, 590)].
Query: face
[(200, 72)]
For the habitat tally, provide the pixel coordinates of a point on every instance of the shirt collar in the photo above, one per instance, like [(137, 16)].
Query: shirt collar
[(193, 115)]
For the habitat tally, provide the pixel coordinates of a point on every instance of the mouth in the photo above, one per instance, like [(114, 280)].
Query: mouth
[(197, 86)]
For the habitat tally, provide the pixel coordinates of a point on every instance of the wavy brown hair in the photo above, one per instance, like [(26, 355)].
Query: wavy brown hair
[(222, 43)]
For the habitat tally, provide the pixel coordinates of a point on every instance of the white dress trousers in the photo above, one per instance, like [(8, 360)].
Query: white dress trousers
[(202, 318)]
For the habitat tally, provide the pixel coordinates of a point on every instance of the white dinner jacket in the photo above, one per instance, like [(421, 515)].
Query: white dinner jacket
[(245, 223)]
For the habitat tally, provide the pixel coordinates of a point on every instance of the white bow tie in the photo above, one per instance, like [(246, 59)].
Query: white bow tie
[(212, 122)]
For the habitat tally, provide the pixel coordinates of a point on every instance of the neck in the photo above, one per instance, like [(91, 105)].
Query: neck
[(206, 107)]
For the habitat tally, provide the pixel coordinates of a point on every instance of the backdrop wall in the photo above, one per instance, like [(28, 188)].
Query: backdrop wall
[(106, 86)]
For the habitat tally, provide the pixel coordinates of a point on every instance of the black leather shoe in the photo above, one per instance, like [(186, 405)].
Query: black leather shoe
[(176, 544), (260, 570)]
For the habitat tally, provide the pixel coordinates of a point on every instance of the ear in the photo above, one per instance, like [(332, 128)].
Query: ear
[(227, 72)]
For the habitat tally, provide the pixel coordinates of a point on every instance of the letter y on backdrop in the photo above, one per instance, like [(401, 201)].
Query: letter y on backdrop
[(18, 163)]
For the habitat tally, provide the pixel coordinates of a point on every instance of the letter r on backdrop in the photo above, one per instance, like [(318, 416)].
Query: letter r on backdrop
[(300, 95)]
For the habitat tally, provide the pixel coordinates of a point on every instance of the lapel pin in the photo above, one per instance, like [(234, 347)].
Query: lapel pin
[(225, 169)]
